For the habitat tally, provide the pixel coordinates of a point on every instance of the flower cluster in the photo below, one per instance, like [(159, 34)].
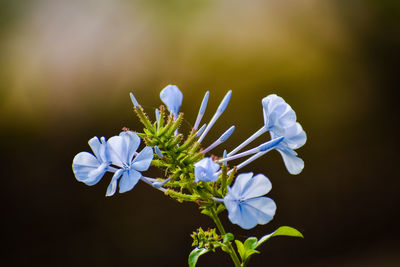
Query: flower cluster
[(193, 176)]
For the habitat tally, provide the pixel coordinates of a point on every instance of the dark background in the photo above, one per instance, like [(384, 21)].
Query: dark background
[(67, 68)]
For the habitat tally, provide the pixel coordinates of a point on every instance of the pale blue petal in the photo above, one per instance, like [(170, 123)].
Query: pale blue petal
[(118, 150), (95, 145), (257, 186), (95, 175), (132, 141), (87, 168), (85, 159), (232, 207), (129, 180), (262, 209), (295, 136), (240, 183), (172, 98), (232, 195), (205, 175), (112, 187), (278, 115), (123, 147), (244, 218), (143, 159), (287, 118), (293, 164)]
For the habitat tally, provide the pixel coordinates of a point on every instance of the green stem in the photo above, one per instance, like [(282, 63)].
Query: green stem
[(221, 229)]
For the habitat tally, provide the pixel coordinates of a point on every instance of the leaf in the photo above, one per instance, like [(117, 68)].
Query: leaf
[(281, 231), (250, 243), (248, 253), (247, 249), (195, 254), (240, 248), (228, 237)]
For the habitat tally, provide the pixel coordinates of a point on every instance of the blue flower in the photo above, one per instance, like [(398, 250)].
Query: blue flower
[(294, 137), (206, 170), (245, 204), (89, 168), (122, 150), (278, 115), (172, 98)]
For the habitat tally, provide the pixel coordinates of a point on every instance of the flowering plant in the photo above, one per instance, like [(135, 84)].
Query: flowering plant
[(191, 175)]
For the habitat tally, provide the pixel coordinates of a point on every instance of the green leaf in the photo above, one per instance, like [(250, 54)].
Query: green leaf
[(195, 254), (240, 248), (228, 237), (250, 243), (281, 231), (248, 253), (247, 249)]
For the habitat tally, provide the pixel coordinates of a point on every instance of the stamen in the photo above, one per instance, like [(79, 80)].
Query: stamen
[(220, 110), (220, 140), (202, 110), (248, 141)]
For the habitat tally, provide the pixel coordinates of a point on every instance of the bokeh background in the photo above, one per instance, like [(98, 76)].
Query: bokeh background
[(67, 68)]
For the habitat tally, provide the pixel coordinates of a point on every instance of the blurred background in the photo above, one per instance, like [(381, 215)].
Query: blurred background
[(67, 68)]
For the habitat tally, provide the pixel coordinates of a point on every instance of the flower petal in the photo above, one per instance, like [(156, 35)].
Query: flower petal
[(293, 163), (123, 147), (87, 168), (261, 208), (129, 180), (295, 136), (241, 182), (132, 140), (112, 187), (95, 175), (172, 98), (99, 148), (278, 115), (257, 186), (243, 217), (143, 159), (118, 151)]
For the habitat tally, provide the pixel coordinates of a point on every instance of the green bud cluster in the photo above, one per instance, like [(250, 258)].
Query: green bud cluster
[(206, 239)]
